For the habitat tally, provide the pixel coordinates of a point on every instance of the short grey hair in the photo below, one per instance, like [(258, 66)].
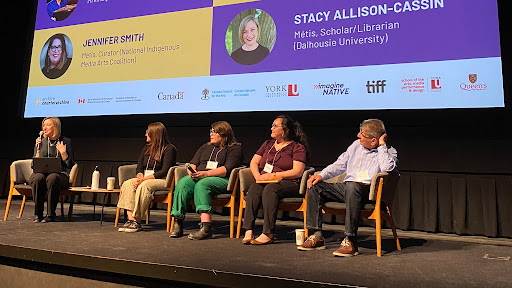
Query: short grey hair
[(373, 127)]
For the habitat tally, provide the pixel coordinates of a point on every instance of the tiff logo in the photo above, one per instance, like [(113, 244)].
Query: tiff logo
[(375, 86)]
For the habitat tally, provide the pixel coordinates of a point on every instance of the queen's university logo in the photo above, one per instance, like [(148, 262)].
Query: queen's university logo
[(472, 78), (37, 101)]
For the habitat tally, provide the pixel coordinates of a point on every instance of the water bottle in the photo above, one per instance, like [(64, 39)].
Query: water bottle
[(95, 179)]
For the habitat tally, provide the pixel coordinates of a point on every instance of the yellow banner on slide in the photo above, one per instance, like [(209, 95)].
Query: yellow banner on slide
[(230, 2), (169, 45)]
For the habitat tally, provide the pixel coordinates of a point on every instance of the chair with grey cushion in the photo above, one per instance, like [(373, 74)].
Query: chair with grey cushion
[(126, 172), (287, 204), (382, 192), (20, 173), (227, 199)]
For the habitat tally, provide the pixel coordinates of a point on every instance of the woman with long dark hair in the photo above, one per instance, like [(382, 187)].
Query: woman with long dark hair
[(283, 159), (155, 159)]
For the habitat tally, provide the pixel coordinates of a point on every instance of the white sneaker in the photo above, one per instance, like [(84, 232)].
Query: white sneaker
[(123, 229)]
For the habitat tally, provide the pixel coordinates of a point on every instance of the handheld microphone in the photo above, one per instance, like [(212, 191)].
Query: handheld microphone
[(40, 137)]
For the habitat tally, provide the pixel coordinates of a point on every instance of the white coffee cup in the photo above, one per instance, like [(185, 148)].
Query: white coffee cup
[(299, 236), (110, 183)]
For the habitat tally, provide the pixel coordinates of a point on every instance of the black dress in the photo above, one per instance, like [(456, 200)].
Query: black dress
[(250, 57)]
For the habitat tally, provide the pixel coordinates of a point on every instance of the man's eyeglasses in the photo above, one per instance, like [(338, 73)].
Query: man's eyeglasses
[(365, 135), (275, 126)]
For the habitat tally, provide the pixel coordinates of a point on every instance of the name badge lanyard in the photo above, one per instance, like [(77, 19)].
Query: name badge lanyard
[(148, 172), (56, 150), (215, 163), (273, 160)]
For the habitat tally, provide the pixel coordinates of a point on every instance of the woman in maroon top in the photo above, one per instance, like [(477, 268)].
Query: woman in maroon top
[(282, 157)]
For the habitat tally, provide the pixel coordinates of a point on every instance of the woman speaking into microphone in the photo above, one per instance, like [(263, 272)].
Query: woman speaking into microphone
[(50, 144)]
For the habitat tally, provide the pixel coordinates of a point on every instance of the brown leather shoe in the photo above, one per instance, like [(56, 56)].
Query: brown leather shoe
[(312, 243), (256, 242), (347, 249)]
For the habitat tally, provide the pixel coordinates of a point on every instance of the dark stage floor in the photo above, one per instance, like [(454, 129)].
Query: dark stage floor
[(426, 260)]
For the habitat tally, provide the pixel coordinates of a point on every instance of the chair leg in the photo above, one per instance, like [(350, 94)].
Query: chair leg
[(62, 206), (147, 215), (8, 204), (117, 216), (168, 217), (378, 223), (232, 219), (393, 228), (240, 212), (22, 206)]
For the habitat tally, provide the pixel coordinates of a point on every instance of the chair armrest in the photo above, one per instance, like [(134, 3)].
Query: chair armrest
[(390, 184), (170, 176), (126, 172), (72, 175), (21, 171), (179, 172), (246, 179), (233, 177), (304, 180)]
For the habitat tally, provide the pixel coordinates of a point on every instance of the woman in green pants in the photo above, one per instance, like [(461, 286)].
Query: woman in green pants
[(212, 164)]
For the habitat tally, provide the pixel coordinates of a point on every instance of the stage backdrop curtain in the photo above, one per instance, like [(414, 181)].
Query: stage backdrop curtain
[(454, 203)]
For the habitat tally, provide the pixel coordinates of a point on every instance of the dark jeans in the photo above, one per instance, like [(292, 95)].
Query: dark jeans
[(353, 194), (43, 185), (269, 195)]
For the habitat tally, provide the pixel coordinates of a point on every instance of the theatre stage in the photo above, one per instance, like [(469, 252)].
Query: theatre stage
[(69, 254)]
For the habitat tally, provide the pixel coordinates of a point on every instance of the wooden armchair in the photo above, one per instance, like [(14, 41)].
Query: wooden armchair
[(382, 192), (126, 172), (287, 204), (20, 173)]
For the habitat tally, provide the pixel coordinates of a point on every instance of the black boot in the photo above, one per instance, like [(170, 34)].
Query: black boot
[(177, 230), (204, 233)]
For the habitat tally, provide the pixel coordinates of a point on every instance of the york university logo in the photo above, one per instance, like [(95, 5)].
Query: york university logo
[(284, 90), (293, 90)]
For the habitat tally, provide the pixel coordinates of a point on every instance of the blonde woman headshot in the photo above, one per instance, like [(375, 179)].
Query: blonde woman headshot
[(251, 51)]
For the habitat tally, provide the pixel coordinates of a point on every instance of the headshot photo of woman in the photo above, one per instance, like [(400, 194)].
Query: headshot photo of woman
[(57, 56), (252, 37)]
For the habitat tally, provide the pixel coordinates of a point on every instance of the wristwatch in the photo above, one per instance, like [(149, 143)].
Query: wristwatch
[(383, 144)]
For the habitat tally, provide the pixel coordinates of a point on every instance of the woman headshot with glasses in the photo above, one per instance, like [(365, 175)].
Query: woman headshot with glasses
[(281, 160), (56, 60), (208, 175)]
